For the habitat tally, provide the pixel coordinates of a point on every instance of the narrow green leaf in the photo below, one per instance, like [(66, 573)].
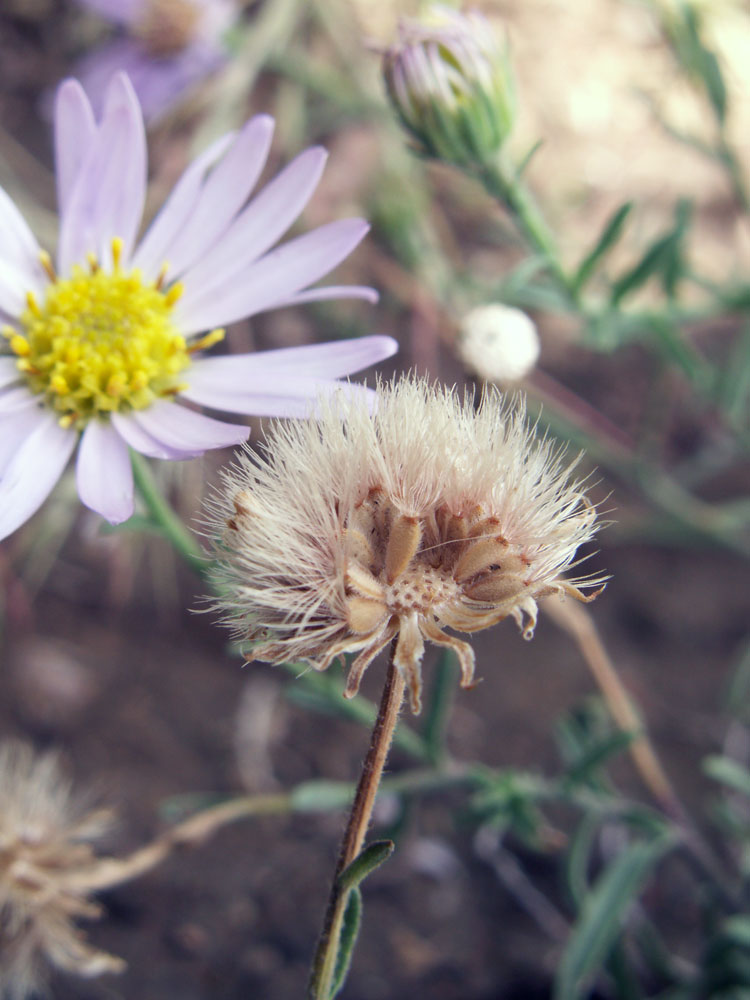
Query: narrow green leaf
[(679, 351), (347, 940), (324, 693), (349, 881), (609, 236), (527, 158), (444, 682), (623, 975), (321, 796), (661, 258), (737, 697), (596, 756), (737, 928), (705, 66), (700, 64), (733, 388), (579, 856), (602, 915), (365, 863), (728, 772)]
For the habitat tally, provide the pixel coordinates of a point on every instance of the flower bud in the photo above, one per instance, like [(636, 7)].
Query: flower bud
[(498, 342), (450, 83)]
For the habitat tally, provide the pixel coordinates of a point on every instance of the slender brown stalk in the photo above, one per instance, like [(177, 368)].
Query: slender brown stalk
[(324, 962), (577, 622), (104, 873)]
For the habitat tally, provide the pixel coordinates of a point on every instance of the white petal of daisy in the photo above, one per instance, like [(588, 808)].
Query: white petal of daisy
[(106, 201), (177, 427), (15, 281), (334, 359), (18, 242), (15, 427), (8, 372), (139, 440), (290, 396), (263, 222), (75, 129), (268, 384), (151, 252), (223, 195), (103, 473), (273, 280), (333, 292), (16, 398), (32, 472)]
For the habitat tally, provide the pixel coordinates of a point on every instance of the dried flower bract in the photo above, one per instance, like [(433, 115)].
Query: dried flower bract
[(48, 870), (358, 527)]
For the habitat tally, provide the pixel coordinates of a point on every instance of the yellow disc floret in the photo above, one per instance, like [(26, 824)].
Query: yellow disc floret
[(101, 342)]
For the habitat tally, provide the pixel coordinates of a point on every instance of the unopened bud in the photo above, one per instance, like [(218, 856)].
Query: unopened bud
[(449, 80)]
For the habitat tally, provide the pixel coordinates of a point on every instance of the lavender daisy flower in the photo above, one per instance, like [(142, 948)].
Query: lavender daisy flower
[(168, 47), (106, 344)]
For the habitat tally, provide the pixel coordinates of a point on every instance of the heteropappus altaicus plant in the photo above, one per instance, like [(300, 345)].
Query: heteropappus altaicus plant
[(104, 345), (424, 514)]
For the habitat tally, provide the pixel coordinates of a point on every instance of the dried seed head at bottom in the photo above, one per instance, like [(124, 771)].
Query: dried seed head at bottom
[(426, 513), (47, 870)]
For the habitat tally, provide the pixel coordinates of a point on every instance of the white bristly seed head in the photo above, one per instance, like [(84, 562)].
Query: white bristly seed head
[(359, 526)]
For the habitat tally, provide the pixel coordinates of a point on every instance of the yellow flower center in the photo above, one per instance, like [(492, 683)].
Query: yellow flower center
[(102, 342)]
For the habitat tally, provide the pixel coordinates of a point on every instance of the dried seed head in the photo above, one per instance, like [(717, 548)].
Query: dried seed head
[(47, 868), (427, 513)]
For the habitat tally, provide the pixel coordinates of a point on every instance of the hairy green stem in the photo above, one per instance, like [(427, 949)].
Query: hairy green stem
[(164, 518), (501, 180)]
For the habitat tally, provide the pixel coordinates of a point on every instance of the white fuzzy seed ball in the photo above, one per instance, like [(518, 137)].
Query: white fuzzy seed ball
[(499, 343)]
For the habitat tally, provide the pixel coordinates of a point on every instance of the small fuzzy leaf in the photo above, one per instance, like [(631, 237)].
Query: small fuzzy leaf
[(347, 940), (602, 914), (365, 863)]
